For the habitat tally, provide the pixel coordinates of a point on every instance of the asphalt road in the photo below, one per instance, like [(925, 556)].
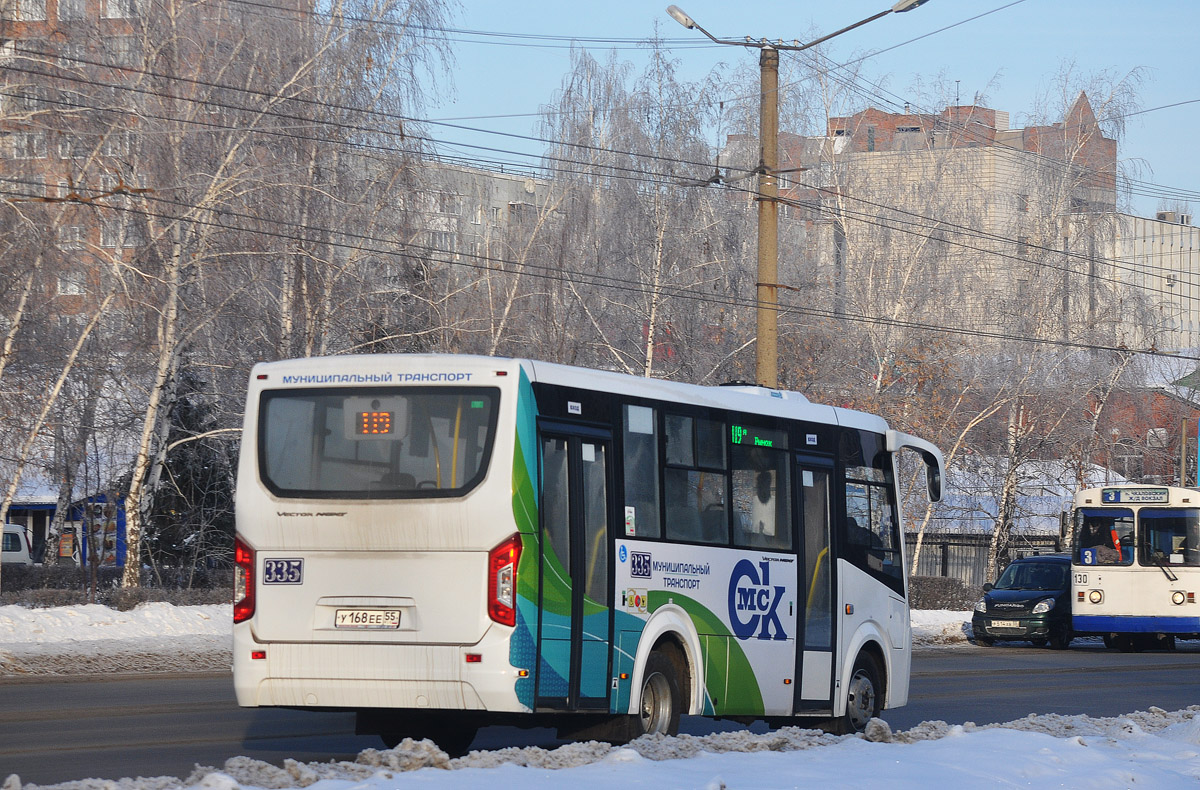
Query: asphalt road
[(158, 725)]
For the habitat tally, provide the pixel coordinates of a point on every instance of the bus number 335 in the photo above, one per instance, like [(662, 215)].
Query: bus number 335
[(283, 571)]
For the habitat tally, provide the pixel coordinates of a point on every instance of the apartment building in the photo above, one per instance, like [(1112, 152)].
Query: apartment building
[(965, 220), (1160, 257)]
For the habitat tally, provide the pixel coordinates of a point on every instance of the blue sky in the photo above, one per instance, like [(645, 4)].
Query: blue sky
[(1013, 54)]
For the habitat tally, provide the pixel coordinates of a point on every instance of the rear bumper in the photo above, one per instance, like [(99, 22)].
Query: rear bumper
[(359, 676)]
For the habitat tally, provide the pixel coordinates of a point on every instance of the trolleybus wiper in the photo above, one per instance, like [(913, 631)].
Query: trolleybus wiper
[(1162, 565)]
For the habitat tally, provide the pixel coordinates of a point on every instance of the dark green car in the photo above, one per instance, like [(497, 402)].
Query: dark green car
[(1030, 602)]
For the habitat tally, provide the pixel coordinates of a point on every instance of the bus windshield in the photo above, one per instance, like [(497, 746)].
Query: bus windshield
[(1104, 536), (375, 443), (1170, 536)]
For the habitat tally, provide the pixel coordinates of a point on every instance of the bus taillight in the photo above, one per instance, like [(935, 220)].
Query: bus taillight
[(243, 580), (502, 581)]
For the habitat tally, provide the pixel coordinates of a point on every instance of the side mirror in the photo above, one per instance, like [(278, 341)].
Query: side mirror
[(988, 587)]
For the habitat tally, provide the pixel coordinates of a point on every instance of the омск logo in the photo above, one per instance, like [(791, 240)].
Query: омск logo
[(754, 603)]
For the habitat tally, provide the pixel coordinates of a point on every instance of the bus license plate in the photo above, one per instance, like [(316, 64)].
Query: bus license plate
[(1005, 624), (367, 618)]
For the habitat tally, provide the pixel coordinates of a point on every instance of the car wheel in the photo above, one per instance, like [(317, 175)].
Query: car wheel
[(661, 699), (1061, 640), (986, 641), (1038, 642)]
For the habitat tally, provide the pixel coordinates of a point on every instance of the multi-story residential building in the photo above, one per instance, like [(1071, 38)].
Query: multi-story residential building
[(1160, 257), (970, 222), (473, 212), (68, 136), (958, 218)]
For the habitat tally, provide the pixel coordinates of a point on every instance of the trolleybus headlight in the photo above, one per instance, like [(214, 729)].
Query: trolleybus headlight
[(981, 605), (1178, 598), (1095, 596), (1043, 606)]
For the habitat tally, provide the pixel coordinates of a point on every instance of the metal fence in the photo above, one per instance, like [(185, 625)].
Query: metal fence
[(963, 556)]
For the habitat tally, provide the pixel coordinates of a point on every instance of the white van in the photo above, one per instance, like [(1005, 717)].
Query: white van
[(16, 546)]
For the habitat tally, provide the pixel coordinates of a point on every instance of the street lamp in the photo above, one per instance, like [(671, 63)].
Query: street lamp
[(767, 334)]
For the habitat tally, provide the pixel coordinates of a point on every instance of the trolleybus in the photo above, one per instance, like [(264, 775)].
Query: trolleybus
[(442, 542), (1136, 565)]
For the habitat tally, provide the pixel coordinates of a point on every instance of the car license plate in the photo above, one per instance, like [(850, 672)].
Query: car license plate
[(1006, 624), (367, 618)]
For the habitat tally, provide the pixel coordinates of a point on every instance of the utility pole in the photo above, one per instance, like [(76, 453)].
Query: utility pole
[(767, 315), (767, 288)]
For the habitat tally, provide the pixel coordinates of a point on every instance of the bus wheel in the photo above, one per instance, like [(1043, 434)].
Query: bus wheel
[(661, 700), (1129, 643), (865, 698)]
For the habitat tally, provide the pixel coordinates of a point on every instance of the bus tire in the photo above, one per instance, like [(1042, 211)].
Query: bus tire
[(864, 698), (1129, 643), (661, 700)]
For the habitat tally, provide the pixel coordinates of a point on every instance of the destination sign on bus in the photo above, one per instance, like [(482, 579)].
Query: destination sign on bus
[(374, 422), (375, 417), (1134, 496), (758, 437)]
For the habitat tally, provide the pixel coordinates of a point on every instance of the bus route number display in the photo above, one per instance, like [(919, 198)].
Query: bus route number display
[(1112, 496), (375, 417), (374, 423), (758, 437)]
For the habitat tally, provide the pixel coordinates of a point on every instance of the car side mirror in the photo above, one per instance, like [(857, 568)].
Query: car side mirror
[(988, 587)]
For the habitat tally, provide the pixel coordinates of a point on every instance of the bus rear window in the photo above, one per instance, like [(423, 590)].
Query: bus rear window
[(375, 443)]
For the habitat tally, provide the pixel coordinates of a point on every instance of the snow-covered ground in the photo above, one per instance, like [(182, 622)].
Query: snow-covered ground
[(155, 637), (1148, 749)]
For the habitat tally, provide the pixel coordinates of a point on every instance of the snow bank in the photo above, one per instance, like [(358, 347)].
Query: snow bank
[(1148, 749), (939, 627), (154, 637)]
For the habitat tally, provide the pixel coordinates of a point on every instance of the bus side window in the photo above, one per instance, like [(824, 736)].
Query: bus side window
[(872, 535), (761, 517), (695, 480), (640, 448)]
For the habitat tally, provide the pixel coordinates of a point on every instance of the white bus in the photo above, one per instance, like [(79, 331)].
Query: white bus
[(1136, 565), (442, 542)]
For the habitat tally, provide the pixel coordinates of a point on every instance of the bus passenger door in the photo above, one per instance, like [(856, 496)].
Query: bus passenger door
[(817, 616), (576, 619)]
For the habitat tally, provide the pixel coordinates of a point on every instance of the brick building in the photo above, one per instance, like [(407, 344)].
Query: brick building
[(990, 220)]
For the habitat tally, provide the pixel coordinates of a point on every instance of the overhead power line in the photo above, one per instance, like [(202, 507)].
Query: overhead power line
[(363, 243), (354, 127)]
